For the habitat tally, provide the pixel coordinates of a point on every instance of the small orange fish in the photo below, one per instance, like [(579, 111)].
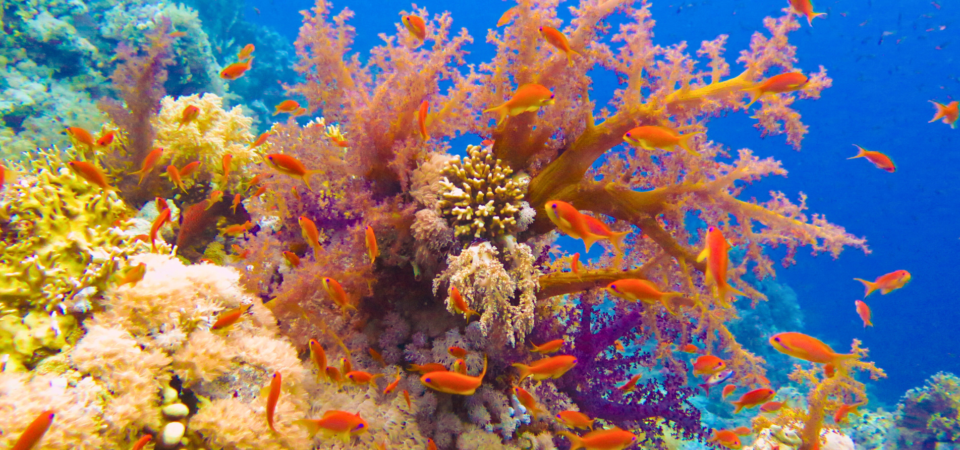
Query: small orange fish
[(652, 137), (633, 289), (81, 136), (142, 442), (286, 106), (345, 366), (460, 366), (689, 348), (148, 163), (829, 370), (226, 160), (292, 258), (508, 16), (260, 140), (337, 294), (257, 179), (454, 383), (527, 98), (215, 197), (158, 222), (727, 390), (235, 203), (552, 367), (178, 34), (949, 113), (575, 264), (878, 159), (457, 352), (133, 275), (427, 368), (864, 312), (237, 230), (319, 357), (259, 192), (296, 193), (618, 345), (406, 396), (107, 139), (175, 177), (726, 438), (886, 283), (807, 348), (431, 445), (742, 431), (90, 173), (376, 356), (602, 231), (784, 82), (608, 439), (372, 248), (708, 365), (240, 253), (416, 26), (359, 378), (236, 70), (574, 224), (716, 251), (333, 374), (630, 385), (272, 397), (771, 407), (526, 399), (245, 52), (229, 317), (308, 229), (393, 385), (422, 119), (753, 398), (575, 419), (188, 169), (805, 8), (845, 409), (339, 424), (188, 115), (291, 166), (548, 347), (34, 432), (486, 142), (555, 38), (460, 305)]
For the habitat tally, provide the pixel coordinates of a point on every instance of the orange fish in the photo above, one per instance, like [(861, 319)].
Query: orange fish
[(215, 197), (372, 248), (148, 163), (334, 374), (142, 442), (558, 40), (175, 177), (652, 137), (431, 445), (460, 366), (241, 253), (133, 275), (259, 191), (319, 357), (454, 383), (807, 348), (784, 82), (272, 397), (805, 8), (715, 252), (608, 439), (630, 385), (345, 366), (416, 26), (845, 409), (552, 367), (427, 368), (508, 16), (575, 419), (376, 356), (574, 224), (229, 317), (575, 264), (158, 222), (726, 438), (619, 345), (188, 115), (526, 399), (34, 432), (459, 304), (742, 431), (90, 173), (949, 113), (286, 106), (406, 396), (422, 119), (878, 159), (337, 294), (339, 424), (257, 179), (770, 407), (457, 352), (188, 169), (292, 258), (528, 98), (259, 140), (393, 385), (296, 194), (829, 370), (708, 365), (291, 166), (227, 159), (548, 347), (107, 139), (727, 390), (753, 398), (689, 348), (308, 229), (633, 289), (359, 378), (235, 203), (236, 70), (886, 283), (600, 229), (245, 52), (237, 230), (81, 136), (864, 312)]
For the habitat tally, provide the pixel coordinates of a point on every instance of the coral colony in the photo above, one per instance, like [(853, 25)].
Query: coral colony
[(173, 277)]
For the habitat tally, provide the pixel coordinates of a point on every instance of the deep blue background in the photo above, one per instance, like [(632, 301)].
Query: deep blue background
[(884, 59)]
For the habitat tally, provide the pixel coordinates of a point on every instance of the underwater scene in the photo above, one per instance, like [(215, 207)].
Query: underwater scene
[(494, 224)]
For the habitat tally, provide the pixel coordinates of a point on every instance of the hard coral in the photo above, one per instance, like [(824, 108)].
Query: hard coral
[(929, 414)]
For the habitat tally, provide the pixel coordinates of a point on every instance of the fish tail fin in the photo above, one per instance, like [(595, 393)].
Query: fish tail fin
[(728, 291), (868, 285), (739, 407), (941, 109), (665, 301), (524, 371), (589, 239), (685, 143), (861, 152), (755, 92), (470, 312), (576, 442), (311, 426), (617, 239), (814, 16), (502, 110)]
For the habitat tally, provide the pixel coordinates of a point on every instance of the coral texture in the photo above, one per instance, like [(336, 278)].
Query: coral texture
[(479, 197)]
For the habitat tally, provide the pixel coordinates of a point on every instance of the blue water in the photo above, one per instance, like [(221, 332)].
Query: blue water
[(884, 59)]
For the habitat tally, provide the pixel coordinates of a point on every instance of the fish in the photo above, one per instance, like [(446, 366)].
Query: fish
[(829, 370), (608, 439), (460, 366), (81, 136), (427, 368), (575, 419), (34, 432), (340, 424), (552, 367), (529, 97), (726, 438), (508, 16), (376, 356), (189, 114), (784, 82), (273, 395), (308, 229), (133, 275), (598, 228), (291, 166), (406, 396), (359, 378), (949, 113), (805, 8), (555, 38), (650, 137), (575, 264), (188, 169), (237, 230), (422, 119), (257, 179), (214, 198), (454, 383), (142, 442), (689, 348), (708, 365), (548, 347), (229, 317), (715, 251), (292, 258), (415, 25), (296, 194), (337, 294), (528, 401), (771, 407), (808, 348), (886, 283), (716, 379), (260, 139), (864, 312), (333, 374), (259, 192), (245, 52), (345, 366), (634, 290), (319, 357), (240, 253), (226, 160), (148, 163), (618, 345), (108, 138), (158, 222), (393, 385), (630, 385), (457, 352), (431, 445), (460, 305), (236, 70), (175, 177), (372, 248), (753, 399), (844, 409), (727, 390), (286, 106), (236, 202), (878, 159), (90, 173), (573, 223), (742, 431)]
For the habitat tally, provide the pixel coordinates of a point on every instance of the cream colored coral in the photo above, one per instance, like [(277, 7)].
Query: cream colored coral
[(478, 196), (77, 423)]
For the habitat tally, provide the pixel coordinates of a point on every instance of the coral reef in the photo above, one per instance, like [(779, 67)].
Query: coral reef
[(928, 415)]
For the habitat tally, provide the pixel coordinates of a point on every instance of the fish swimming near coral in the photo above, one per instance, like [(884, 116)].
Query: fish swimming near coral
[(651, 137), (548, 347), (415, 25), (454, 383), (175, 177), (393, 385), (716, 379), (575, 419), (310, 233), (805, 8), (189, 114), (555, 38), (149, 162), (359, 378), (949, 113), (273, 396), (753, 399), (245, 52), (608, 439), (372, 250), (237, 230), (142, 442), (715, 252), (777, 84), (552, 367), (508, 16), (292, 258), (575, 224), (886, 283), (641, 290), (422, 119), (260, 140), (864, 312), (319, 357), (528, 401), (162, 218), (708, 365), (229, 317), (529, 97), (457, 352), (81, 136), (340, 424), (133, 275), (726, 438), (291, 166), (90, 173), (34, 432), (286, 106), (337, 294), (630, 385), (878, 159), (808, 348), (236, 70), (460, 305), (235, 203), (106, 139), (845, 409)]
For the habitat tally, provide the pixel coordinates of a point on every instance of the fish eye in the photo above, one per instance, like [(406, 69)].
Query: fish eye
[(427, 380), (558, 416), (628, 134), (541, 28), (776, 339), (552, 205), (360, 426), (711, 228), (553, 95)]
